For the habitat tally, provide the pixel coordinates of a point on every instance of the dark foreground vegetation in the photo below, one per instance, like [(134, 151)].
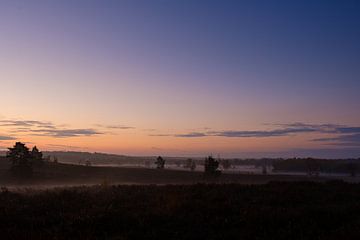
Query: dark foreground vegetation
[(298, 210), (345, 166)]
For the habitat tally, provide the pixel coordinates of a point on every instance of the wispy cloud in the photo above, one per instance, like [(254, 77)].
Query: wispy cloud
[(62, 133), (161, 135), (342, 140), (26, 124), (6, 138), (116, 126), (348, 130), (343, 135), (191, 135), (43, 128), (285, 131), (270, 133), (65, 146)]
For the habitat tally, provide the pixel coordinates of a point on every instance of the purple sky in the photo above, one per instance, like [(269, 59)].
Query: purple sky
[(182, 77)]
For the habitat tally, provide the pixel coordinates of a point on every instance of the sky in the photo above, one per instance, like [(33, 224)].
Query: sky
[(182, 78)]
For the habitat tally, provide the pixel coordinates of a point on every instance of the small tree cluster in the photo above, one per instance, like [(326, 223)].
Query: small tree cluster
[(22, 159), (160, 163), (211, 167)]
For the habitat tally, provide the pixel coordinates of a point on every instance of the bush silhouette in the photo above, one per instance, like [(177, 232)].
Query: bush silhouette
[(160, 163), (211, 167)]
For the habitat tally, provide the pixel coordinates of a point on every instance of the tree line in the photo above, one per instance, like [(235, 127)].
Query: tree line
[(23, 161)]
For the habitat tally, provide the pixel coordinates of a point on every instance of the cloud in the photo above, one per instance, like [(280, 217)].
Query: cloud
[(122, 127), (6, 138), (307, 125), (62, 133), (243, 134), (191, 135), (26, 123), (186, 135), (65, 146), (348, 130), (161, 135), (270, 133), (342, 140), (287, 129), (43, 128)]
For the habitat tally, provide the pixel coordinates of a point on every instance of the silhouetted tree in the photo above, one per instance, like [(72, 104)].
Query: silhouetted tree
[(21, 160), (211, 167), (160, 163), (37, 156)]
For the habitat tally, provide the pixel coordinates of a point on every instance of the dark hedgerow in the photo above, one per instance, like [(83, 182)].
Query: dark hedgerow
[(301, 210)]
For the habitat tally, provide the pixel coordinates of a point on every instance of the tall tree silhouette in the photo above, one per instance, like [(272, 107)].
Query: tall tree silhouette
[(21, 160), (37, 156)]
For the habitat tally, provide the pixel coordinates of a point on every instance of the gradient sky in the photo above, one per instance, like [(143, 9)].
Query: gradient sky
[(182, 78)]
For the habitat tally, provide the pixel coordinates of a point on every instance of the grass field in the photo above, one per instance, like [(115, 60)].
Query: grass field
[(51, 174), (297, 210)]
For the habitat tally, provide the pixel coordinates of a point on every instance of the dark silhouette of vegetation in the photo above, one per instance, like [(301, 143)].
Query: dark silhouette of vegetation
[(314, 166), (160, 163), (211, 167), (37, 157), (21, 160), (88, 163), (281, 211)]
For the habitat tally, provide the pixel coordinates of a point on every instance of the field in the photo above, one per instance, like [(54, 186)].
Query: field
[(58, 174), (297, 210), (64, 201)]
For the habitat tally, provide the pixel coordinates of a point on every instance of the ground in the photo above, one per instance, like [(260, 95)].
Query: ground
[(51, 174), (286, 210)]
